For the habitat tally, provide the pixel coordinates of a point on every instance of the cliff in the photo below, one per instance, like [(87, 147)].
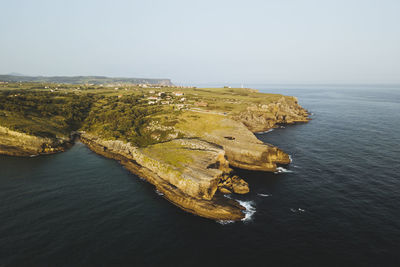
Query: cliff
[(243, 150), (14, 143), (259, 118), (189, 181)]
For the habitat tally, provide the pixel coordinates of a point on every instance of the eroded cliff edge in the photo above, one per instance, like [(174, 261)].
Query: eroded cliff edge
[(190, 183), (193, 172), (14, 143)]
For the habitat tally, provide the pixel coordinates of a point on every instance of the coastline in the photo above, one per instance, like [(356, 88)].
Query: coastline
[(217, 209), (13, 143), (191, 166)]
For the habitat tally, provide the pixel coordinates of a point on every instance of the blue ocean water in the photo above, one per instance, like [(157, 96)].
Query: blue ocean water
[(337, 204)]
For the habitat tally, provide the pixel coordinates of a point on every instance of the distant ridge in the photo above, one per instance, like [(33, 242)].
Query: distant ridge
[(15, 74), (82, 79)]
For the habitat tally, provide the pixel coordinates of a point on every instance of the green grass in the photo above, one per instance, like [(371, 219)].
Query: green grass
[(171, 153), (198, 124)]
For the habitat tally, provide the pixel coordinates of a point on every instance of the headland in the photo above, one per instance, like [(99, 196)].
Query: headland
[(183, 140)]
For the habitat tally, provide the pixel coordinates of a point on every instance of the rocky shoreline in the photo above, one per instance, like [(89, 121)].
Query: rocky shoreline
[(218, 208), (13, 143)]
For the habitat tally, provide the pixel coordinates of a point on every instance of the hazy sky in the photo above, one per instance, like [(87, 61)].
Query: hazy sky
[(249, 41)]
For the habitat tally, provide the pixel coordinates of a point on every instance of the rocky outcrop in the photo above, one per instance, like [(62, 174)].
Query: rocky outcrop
[(234, 184), (190, 184), (243, 150), (14, 143), (266, 116)]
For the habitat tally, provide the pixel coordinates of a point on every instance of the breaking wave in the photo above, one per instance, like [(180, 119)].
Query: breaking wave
[(225, 222), (263, 195), (250, 209), (282, 170), (159, 193), (267, 131)]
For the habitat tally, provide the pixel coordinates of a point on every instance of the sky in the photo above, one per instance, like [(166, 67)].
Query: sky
[(248, 41)]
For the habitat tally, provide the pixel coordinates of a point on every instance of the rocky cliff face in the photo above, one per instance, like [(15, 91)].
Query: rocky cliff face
[(266, 116), (243, 150), (190, 184), (19, 144)]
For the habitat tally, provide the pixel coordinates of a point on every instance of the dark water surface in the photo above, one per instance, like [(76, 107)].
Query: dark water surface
[(338, 204)]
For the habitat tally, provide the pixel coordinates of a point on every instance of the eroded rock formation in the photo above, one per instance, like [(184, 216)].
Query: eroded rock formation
[(190, 184), (266, 116), (14, 143)]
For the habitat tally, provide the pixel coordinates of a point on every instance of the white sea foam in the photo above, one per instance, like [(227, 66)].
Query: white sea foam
[(263, 195), (290, 158), (250, 209), (282, 170), (159, 193), (297, 210), (267, 131), (228, 196), (224, 222)]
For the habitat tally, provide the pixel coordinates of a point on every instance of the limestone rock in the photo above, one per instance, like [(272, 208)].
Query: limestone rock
[(224, 190), (14, 143), (239, 186), (192, 188), (261, 118)]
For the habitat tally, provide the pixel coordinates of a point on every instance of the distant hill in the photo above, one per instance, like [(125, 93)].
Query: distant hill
[(15, 74), (82, 79)]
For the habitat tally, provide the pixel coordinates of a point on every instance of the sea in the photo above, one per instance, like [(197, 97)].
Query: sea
[(336, 204)]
